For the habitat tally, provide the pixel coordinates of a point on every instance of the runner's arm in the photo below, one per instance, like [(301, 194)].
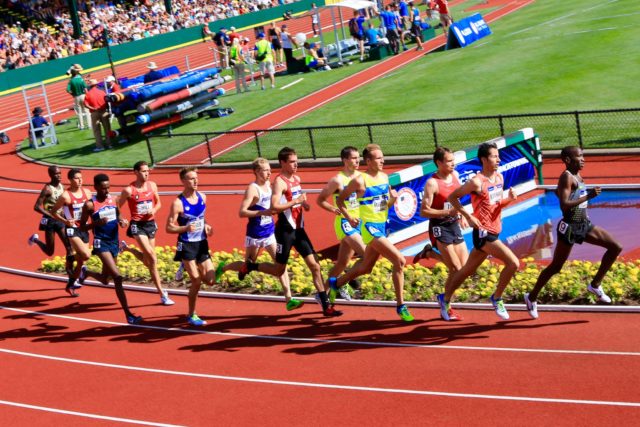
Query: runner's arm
[(472, 185), (39, 206)]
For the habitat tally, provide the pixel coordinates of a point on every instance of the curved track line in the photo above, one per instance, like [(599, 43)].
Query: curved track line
[(327, 386), (327, 341), (85, 414)]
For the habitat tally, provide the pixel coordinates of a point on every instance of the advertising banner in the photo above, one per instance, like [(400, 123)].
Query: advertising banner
[(466, 31)]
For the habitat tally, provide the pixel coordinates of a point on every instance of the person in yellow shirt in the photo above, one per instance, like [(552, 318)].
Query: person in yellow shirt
[(264, 54)]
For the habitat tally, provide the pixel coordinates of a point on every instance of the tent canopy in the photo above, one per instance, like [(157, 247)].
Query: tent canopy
[(352, 4)]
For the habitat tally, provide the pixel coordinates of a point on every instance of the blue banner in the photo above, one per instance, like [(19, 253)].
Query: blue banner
[(514, 167), (466, 31)]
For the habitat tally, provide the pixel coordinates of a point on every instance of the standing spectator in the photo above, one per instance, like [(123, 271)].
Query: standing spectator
[(274, 36), (96, 104), (264, 55), (357, 31), (287, 44), (236, 58), (314, 19), (416, 25), (221, 39), (78, 88), (390, 23), (445, 16), (153, 73), (233, 35)]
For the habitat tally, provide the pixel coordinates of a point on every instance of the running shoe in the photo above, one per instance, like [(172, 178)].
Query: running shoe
[(498, 306), (532, 307), (194, 320), (123, 246), (344, 293), (602, 297), (165, 300), (180, 273), (317, 298), (32, 239), (83, 275), (331, 312), (294, 304), (404, 314), (444, 308), (132, 319), (333, 289), (454, 315), (75, 285), (219, 271), (424, 253), (244, 270), (71, 290)]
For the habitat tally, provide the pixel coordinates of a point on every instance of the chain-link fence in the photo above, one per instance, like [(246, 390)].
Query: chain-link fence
[(589, 129)]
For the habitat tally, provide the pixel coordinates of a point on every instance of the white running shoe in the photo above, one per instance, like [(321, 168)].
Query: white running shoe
[(532, 307), (164, 298), (501, 310), (32, 239), (602, 297), (344, 293)]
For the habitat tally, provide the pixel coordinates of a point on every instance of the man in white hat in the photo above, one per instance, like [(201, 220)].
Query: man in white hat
[(77, 89), (153, 73)]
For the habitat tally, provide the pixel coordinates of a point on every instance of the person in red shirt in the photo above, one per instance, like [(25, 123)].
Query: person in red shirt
[(486, 190), (445, 15), (94, 101)]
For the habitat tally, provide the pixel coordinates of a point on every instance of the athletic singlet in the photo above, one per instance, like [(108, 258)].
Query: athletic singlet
[(293, 215), (73, 210), (141, 202), (374, 202), (50, 200), (577, 213), (487, 205), (352, 205), (440, 198), (105, 209), (192, 214), (260, 227)]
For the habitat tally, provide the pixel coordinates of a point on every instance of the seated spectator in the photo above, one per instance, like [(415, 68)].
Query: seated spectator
[(153, 73), (312, 60), (38, 125), (374, 37)]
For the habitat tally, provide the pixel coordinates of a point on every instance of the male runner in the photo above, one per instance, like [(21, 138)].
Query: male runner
[(187, 220), (374, 196), (445, 226), (575, 227), (349, 237), (144, 202), (486, 189), (68, 210), (256, 207), (105, 219), (289, 201), (48, 223)]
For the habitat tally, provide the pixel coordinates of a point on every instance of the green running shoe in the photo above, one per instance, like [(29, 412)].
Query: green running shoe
[(294, 304), (220, 271), (404, 314)]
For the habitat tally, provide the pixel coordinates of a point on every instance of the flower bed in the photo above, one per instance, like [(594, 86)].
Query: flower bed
[(622, 283)]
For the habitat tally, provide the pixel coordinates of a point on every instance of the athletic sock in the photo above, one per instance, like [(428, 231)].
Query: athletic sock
[(252, 266), (323, 300)]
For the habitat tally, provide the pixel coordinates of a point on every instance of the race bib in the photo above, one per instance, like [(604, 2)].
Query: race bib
[(447, 206), (71, 232), (77, 210), (134, 228), (199, 224), (266, 220), (44, 220), (145, 207), (109, 214), (563, 227), (352, 202), (346, 226), (436, 231), (583, 205), (380, 204), (97, 243), (179, 247), (482, 233), (495, 194)]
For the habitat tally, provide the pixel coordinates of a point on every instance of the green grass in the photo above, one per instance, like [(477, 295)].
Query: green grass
[(549, 56)]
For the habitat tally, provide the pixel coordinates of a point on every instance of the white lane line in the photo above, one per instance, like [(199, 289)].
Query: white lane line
[(85, 414), (324, 386), (295, 82), (334, 341)]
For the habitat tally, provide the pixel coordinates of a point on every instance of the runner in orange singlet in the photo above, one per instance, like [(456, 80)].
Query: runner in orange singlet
[(486, 189)]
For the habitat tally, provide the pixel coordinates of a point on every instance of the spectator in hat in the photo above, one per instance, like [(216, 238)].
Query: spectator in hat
[(77, 88), (38, 123), (221, 39), (233, 35), (264, 55), (95, 102), (112, 85), (153, 73)]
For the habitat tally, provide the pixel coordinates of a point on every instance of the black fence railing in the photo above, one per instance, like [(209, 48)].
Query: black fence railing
[(617, 128)]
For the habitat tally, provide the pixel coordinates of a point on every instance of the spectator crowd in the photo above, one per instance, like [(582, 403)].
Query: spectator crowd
[(49, 32)]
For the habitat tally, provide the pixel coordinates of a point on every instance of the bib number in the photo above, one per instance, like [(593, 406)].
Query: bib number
[(495, 195), (380, 204), (482, 233), (346, 227), (563, 227), (145, 207), (108, 214), (44, 221), (198, 224), (437, 232), (71, 232), (583, 205), (134, 228), (97, 243), (266, 220)]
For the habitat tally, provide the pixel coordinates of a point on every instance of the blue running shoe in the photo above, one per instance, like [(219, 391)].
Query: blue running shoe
[(133, 319), (83, 275), (194, 320), (404, 314)]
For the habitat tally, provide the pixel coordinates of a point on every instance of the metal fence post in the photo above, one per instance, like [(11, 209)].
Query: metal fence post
[(257, 144), (370, 134), (206, 141), (435, 134), (313, 145), (501, 124), (152, 161), (577, 115)]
